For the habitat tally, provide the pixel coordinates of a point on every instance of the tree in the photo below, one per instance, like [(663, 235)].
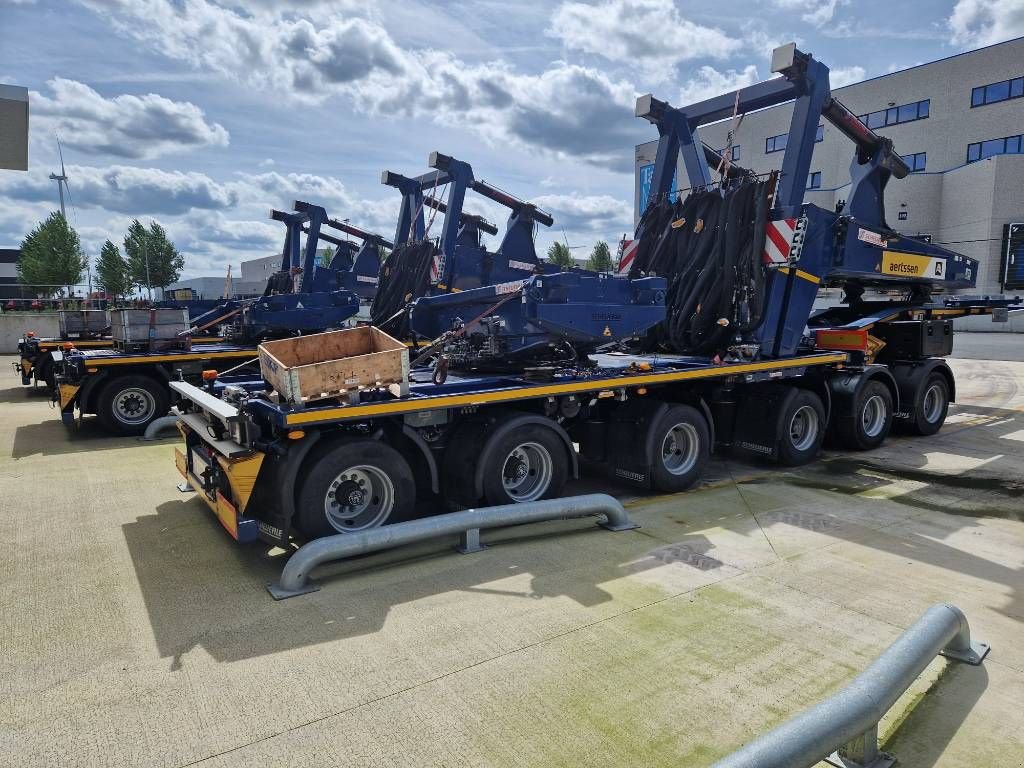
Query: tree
[(558, 254), (600, 258), (51, 256), (112, 271), (153, 261)]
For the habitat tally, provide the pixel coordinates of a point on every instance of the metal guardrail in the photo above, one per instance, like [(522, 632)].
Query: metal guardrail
[(468, 523), (843, 729)]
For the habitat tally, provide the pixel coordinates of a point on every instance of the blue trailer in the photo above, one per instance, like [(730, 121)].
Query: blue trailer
[(723, 351)]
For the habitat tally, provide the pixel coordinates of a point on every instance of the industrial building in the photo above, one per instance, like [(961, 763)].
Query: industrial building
[(958, 123)]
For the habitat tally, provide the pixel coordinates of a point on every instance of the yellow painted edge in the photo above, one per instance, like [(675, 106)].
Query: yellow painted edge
[(188, 356), (524, 393), (242, 474), (181, 463), (800, 273), (67, 394)]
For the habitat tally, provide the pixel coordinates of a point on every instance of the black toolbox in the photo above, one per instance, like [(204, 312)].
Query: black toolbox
[(912, 339)]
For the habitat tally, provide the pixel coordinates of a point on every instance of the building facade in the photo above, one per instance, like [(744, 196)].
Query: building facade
[(958, 122)]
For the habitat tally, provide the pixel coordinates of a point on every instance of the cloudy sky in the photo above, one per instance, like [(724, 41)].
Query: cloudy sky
[(204, 114)]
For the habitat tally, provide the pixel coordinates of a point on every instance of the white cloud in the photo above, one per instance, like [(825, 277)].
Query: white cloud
[(123, 126), (126, 189), (840, 76), (648, 33), (815, 12), (710, 82), (983, 22), (567, 110), (601, 214)]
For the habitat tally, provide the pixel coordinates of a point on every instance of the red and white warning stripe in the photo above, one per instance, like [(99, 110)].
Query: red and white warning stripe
[(628, 254), (778, 241)]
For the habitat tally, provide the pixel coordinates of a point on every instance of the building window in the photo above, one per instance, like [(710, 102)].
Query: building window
[(916, 162), (814, 180), (996, 92), (778, 143), (1009, 145), (915, 110)]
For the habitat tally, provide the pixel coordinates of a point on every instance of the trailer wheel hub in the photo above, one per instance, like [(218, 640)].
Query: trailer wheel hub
[(134, 405), (527, 472), (359, 498), (680, 448)]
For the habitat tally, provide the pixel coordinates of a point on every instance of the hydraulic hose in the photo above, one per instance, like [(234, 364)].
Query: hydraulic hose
[(404, 277), (708, 246)]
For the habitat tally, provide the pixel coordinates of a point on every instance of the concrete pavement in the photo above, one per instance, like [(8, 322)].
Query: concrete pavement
[(136, 632)]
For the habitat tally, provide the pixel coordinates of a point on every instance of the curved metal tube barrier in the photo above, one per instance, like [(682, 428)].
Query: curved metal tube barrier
[(159, 425), (469, 522), (843, 729)]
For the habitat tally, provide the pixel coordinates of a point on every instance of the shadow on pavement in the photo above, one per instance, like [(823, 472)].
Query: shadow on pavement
[(930, 725), (201, 588), (51, 438)]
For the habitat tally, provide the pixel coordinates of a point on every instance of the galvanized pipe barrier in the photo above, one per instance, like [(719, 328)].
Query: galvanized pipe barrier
[(159, 425), (468, 523), (843, 729)]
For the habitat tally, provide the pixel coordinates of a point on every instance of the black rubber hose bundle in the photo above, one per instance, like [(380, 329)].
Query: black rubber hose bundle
[(404, 277), (708, 247)]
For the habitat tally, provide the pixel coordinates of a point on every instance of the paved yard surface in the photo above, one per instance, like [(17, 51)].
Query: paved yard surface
[(989, 346), (136, 633)]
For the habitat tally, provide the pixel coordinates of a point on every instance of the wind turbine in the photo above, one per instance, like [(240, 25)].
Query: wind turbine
[(62, 180)]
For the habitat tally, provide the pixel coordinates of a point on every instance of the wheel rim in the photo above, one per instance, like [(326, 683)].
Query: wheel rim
[(803, 428), (526, 472), (934, 401), (358, 498), (873, 416), (134, 405), (680, 449)]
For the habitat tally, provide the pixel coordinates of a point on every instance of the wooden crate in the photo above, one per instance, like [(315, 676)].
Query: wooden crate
[(149, 329), (81, 323), (336, 364)]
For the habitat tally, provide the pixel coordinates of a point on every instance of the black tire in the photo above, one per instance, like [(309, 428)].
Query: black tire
[(869, 424), (373, 477), (801, 429), (930, 409), (127, 404), (680, 444), (46, 374), (527, 463)]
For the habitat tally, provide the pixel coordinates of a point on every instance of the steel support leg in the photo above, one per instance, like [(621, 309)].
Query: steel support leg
[(469, 542), (861, 752)]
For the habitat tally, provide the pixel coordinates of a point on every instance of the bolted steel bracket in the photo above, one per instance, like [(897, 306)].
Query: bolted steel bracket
[(280, 593), (469, 542), (608, 525), (973, 655), (882, 760), (861, 752)]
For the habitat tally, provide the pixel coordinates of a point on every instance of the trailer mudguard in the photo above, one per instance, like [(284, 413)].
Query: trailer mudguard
[(845, 385), (758, 415), (288, 471), (416, 439), (87, 392), (628, 453), (910, 378)]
